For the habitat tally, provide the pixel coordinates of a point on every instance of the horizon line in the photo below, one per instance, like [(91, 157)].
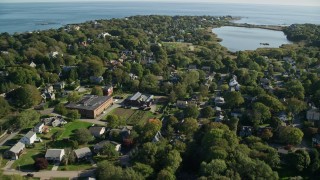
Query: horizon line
[(158, 1)]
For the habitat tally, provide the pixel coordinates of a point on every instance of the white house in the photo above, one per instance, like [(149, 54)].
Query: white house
[(54, 154), (39, 127), (29, 138), (16, 150), (219, 101), (97, 131)]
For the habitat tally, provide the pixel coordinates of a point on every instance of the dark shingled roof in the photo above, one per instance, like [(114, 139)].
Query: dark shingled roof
[(89, 102)]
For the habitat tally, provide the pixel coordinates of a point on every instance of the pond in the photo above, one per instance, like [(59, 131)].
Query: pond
[(241, 38)]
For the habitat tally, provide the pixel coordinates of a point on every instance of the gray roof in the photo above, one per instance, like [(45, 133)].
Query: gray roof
[(95, 130), (39, 125), (99, 145), (17, 147), (136, 96), (53, 153), (89, 102), (83, 152), (30, 134)]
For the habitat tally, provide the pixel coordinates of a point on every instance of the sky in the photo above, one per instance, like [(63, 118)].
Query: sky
[(275, 2)]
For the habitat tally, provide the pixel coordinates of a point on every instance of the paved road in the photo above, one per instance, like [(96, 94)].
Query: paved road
[(58, 174), (12, 135)]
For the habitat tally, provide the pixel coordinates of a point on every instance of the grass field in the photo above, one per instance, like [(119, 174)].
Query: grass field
[(25, 162), (75, 167), (123, 113), (133, 116), (72, 126)]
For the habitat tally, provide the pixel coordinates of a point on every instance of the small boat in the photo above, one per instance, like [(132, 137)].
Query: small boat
[(265, 44)]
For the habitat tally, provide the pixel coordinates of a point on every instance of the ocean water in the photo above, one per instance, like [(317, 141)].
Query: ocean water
[(23, 17), (241, 38)]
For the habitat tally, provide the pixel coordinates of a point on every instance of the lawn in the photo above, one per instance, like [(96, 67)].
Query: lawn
[(72, 126), (123, 113), (26, 160), (132, 116), (75, 167)]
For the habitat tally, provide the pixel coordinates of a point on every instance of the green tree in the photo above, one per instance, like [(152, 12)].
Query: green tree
[(166, 174), (96, 90), (191, 111), (260, 113), (144, 169), (73, 114), (295, 89), (150, 129), (25, 119), (74, 97), (114, 121), (290, 135), (207, 112), (295, 106), (109, 150), (189, 126), (233, 99), (216, 166), (149, 83), (4, 107), (83, 136), (25, 96), (300, 159)]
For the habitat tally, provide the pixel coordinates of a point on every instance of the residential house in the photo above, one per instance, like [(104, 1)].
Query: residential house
[(181, 104), (316, 140), (58, 122), (29, 138), (107, 90), (54, 54), (49, 88), (206, 69), (219, 101), (59, 85), (55, 155), (217, 109), (233, 84), (157, 137), (245, 131), (83, 153), (48, 96), (192, 67), (97, 131), (133, 76), (313, 115), (103, 35), (283, 116), (219, 118), (97, 147), (96, 79), (139, 99), (15, 151), (32, 64), (39, 127), (91, 106)]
